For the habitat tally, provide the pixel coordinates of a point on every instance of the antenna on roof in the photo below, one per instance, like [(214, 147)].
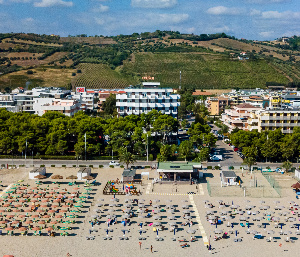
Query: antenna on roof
[(180, 80)]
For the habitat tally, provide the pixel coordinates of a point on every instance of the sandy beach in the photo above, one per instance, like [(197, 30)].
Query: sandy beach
[(164, 196)]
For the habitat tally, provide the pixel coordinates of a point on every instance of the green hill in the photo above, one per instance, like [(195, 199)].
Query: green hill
[(202, 70), (206, 61)]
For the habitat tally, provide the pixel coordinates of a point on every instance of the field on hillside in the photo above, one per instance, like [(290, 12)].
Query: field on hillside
[(47, 77), (203, 70), (101, 76)]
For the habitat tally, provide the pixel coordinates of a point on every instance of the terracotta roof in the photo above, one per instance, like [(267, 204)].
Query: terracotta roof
[(199, 92), (245, 105)]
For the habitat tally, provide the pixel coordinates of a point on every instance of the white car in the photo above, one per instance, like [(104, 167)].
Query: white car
[(114, 163)]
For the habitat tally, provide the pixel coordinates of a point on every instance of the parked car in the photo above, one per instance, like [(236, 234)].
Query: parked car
[(114, 163), (235, 149), (216, 158)]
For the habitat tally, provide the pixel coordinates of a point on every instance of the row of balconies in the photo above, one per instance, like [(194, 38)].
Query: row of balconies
[(280, 118), (280, 124)]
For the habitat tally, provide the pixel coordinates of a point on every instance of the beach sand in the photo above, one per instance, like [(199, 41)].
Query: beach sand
[(77, 245)]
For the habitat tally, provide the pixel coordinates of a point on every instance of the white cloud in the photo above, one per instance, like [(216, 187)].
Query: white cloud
[(267, 1), (267, 34), (254, 12), (169, 18), (153, 3), (51, 3), (287, 15), (27, 20), (223, 10), (101, 8), (99, 21)]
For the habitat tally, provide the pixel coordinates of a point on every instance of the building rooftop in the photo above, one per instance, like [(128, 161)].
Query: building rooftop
[(177, 166), (128, 173), (229, 174), (199, 92), (245, 105)]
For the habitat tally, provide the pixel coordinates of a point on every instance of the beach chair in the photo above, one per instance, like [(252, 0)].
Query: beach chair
[(258, 236), (242, 224)]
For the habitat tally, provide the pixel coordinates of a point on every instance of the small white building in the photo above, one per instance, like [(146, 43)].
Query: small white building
[(36, 172), (83, 172), (228, 178), (297, 174)]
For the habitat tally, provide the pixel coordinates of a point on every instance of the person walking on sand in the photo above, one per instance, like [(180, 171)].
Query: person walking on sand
[(140, 243), (151, 248)]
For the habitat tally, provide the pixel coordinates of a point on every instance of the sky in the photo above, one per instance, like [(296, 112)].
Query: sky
[(250, 19)]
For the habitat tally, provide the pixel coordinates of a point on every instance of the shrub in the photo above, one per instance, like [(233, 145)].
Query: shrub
[(101, 166), (52, 165), (64, 165), (74, 165), (122, 166), (111, 166), (29, 72), (82, 166), (150, 157), (42, 165), (231, 168), (22, 165), (91, 166), (217, 167), (73, 74), (209, 167), (147, 167)]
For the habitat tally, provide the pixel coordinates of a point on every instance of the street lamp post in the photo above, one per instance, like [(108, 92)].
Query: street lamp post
[(147, 149), (85, 145)]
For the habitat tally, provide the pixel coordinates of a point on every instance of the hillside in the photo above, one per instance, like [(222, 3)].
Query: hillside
[(206, 61)]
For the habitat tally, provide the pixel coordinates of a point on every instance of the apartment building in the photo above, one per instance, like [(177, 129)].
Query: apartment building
[(217, 105), (237, 117), (138, 101), (67, 107), (284, 119)]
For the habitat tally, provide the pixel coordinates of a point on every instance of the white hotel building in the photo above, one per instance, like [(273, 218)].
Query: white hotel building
[(137, 101)]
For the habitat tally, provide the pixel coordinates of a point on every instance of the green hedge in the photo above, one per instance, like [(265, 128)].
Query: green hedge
[(74, 165), (101, 166), (42, 165), (111, 166), (209, 167), (64, 165), (52, 165), (91, 166)]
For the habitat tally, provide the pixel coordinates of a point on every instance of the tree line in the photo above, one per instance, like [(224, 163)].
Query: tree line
[(56, 134), (272, 146)]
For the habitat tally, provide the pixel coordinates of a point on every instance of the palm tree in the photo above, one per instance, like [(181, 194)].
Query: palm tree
[(250, 161), (287, 166), (126, 157)]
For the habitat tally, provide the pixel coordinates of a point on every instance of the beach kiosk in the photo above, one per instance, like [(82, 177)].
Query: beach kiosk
[(179, 171), (83, 172), (36, 172), (228, 178), (128, 175)]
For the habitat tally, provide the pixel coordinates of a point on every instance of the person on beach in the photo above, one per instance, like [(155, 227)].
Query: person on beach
[(150, 202), (140, 243), (151, 248)]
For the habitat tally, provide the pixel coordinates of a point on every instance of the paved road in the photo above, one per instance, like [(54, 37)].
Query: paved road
[(68, 163)]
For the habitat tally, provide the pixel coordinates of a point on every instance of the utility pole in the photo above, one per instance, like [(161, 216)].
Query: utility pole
[(85, 145), (147, 149)]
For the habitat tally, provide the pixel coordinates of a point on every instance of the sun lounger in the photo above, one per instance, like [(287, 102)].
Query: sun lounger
[(238, 240), (242, 224)]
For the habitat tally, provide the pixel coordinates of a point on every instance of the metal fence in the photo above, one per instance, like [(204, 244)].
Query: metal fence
[(272, 181)]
